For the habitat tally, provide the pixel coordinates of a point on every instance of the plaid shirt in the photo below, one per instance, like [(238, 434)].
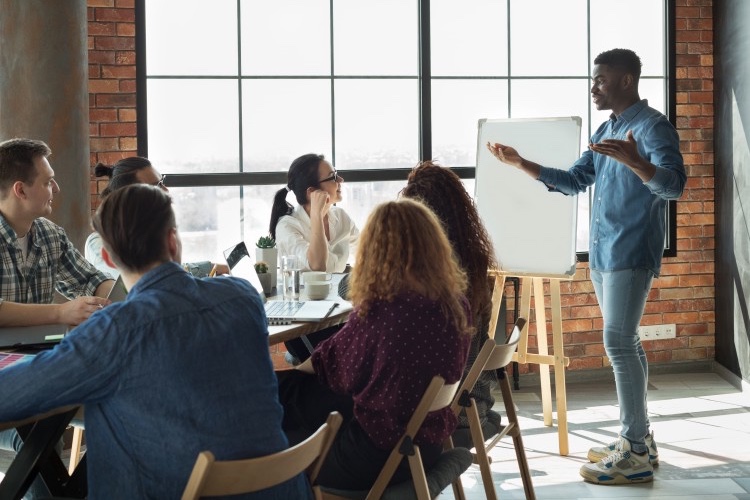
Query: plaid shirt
[(53, 263)]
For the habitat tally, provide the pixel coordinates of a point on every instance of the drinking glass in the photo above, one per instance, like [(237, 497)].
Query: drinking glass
[(290, 270)]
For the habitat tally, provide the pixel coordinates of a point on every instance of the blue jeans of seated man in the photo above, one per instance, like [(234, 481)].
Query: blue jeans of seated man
[(11, 441), (622, 298)]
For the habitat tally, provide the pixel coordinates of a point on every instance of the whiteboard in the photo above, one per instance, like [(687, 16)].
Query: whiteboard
[(533, 230)]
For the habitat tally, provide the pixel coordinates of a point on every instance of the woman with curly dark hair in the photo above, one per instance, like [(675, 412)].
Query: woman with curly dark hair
[(443, 192)]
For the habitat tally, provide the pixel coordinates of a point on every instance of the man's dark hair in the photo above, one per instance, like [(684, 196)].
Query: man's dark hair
[(623, 59), (133, 222), (17, 161)]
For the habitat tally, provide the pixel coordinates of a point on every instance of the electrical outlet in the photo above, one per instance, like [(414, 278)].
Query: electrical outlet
[(657, 332)]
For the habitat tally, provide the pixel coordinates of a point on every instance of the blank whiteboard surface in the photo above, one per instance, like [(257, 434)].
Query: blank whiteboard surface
[(533, 230)]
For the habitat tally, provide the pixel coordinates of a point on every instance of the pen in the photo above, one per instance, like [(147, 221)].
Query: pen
[(213, 271), (334, 306)]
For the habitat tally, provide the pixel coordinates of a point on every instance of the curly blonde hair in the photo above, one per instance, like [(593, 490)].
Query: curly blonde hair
[(403, 248)]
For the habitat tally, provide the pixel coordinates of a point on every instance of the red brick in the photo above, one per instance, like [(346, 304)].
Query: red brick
[(125, 29), (114, 43), (103, 86), (127, 86), (115, 100), (115, 15), (104, 144), (126, 115), (100, 3), (117, 129), (128, 143), (119, 71), (97, 29), (101, 56)]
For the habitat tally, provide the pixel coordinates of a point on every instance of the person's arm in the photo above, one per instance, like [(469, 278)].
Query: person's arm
[(509, 155), (306, 366), (317, 252), (76, 276), (71, 313)]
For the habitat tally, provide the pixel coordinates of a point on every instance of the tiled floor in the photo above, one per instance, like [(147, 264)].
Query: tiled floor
[(701, 425)]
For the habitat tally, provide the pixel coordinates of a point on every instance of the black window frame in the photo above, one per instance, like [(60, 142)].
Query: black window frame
[(425, 120)]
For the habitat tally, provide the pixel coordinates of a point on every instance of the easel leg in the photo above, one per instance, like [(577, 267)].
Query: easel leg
[(557, 346), (541, 342)]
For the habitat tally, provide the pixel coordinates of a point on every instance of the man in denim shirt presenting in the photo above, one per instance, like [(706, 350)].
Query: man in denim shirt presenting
[(181, 366), (635, 163)]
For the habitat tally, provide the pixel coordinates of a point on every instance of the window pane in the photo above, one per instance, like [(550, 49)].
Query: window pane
[(548, 37), (457, 106), (286, 37), (375, 38), (469, 38), (376, 124), (193, 125), (647, 41), (187, 38), (552, 98), (208, 219), (284, 119)]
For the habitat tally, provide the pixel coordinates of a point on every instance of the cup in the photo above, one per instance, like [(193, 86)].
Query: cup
[(290, 271), (318, 290), (310, 276)]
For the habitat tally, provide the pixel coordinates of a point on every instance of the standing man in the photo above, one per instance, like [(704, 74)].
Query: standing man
[(181, 366), (634, 161)]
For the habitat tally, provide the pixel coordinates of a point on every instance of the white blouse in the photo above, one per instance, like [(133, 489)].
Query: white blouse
[(293, 234)]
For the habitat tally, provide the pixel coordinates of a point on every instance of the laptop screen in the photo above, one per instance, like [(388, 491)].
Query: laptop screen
[(241, 265)]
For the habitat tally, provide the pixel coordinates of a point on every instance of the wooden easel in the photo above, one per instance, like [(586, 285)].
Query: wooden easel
[(558, 359)]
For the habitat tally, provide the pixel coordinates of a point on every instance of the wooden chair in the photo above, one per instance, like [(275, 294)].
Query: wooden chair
[(232, 477), (496, 357), (436, 397), (75, 447)]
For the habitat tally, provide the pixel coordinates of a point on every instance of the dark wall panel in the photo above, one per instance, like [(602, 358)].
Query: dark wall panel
[(732, 170)]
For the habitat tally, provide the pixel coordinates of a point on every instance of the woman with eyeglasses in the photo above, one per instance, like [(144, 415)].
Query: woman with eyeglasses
[(127, 171), (321, 235)]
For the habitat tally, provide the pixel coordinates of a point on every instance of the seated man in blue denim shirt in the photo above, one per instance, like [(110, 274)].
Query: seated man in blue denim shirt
[(182, 365), (635, 163)]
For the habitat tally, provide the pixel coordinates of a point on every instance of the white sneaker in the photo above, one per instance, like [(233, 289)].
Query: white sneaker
[(621, 444), (621, 467)]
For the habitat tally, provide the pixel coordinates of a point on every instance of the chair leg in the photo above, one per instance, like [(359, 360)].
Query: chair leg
[(510, 411), (75, 449), (418, 475), (477, 437)]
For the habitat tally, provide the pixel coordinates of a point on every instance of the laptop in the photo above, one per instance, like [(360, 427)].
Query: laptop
[(278, 312), (18, 336), (118, 292)]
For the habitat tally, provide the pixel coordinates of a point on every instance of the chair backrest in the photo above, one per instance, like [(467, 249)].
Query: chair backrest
[(462, 396), (436, 397), (503, 353), (232, 477)]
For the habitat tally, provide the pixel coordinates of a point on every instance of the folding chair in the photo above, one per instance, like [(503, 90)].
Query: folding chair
[(232, 477), (494, 356), (450, 466)]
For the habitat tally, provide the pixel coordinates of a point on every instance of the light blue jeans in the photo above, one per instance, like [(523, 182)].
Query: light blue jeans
[(622, 298)]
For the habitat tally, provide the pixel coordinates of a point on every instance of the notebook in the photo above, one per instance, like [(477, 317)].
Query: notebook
[(278, 312), (17, 336), (13, 358)]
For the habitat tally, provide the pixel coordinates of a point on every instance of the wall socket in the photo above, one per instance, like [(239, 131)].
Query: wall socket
[(657, 332)]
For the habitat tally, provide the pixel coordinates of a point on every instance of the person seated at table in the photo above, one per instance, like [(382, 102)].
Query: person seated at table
[(321, 235), (443, 192), (36, 256), (136, 170), (181, 366), (410, 322)]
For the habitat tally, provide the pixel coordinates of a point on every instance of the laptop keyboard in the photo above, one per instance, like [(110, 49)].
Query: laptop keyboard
[(279, 308)]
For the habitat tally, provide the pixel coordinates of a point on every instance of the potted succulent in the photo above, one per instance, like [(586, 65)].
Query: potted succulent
[(261, 268), (267, 252)]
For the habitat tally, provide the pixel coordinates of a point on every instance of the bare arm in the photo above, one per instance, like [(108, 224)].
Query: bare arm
[(104, 288), (509, 155), (317, 252), (306, 366), (72, 312)]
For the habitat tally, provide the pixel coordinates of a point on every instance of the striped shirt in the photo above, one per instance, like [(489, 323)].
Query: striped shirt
[(53, 263)]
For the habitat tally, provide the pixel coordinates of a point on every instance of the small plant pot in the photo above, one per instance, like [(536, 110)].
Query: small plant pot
[(266, 282), (271, 257)]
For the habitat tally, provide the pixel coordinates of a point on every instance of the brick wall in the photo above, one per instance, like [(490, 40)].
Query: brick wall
[(684, 294), (111, 42)]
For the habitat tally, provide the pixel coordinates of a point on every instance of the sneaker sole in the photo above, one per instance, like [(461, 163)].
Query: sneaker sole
[(605, 479), (594, 457)]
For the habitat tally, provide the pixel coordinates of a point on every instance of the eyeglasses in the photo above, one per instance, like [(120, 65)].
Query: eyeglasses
[(160, 183), (334, 177)]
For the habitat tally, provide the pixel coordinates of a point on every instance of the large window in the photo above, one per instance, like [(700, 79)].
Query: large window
[(231, 91)]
